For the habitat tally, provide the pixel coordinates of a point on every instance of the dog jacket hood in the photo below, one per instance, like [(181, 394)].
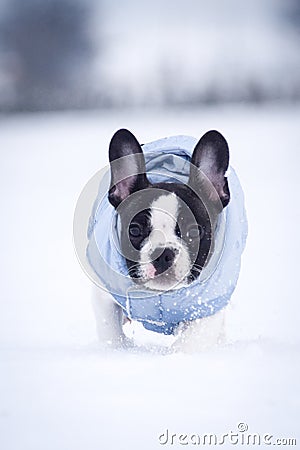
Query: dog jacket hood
[(168, 160)]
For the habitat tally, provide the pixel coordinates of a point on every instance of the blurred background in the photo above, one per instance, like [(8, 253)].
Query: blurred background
[(89, 54)]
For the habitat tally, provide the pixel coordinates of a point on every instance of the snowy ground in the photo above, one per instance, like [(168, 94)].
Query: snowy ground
[(58, 390)]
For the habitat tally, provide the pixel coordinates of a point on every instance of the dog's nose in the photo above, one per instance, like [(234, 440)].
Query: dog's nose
[(164, 260)]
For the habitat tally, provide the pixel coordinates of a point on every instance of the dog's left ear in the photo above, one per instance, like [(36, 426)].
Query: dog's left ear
[(211, 156), (127, 167)]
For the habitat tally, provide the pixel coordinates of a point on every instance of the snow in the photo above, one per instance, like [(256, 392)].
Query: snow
[(58, 388)]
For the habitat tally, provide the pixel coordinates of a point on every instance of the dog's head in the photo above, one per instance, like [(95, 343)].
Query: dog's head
[(167, 229)]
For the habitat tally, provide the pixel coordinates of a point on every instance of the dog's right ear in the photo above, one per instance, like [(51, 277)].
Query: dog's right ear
[(127, 167)]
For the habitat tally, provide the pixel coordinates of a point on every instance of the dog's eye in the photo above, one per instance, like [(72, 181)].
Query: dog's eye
[(195, 231), (135, 230)]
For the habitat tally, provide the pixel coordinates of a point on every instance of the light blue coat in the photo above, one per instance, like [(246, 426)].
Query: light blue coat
[(168, 160)]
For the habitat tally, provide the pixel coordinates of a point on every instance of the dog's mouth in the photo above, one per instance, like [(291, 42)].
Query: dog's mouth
[(161, 282), (163, 272)]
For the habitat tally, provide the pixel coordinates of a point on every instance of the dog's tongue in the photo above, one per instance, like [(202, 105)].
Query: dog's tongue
[(150, 271)]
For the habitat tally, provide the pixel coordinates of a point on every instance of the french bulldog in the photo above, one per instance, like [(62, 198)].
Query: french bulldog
[(167, 233)]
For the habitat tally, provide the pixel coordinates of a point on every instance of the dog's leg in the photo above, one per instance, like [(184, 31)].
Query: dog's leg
[(201, 334), (109, 319)]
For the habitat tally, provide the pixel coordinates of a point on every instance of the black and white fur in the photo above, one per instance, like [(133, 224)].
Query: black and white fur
[(167, 234)]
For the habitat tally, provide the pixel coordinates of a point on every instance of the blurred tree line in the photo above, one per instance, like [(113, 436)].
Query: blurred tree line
[(48, 51)]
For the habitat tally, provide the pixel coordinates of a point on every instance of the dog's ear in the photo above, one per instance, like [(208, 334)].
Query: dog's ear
[(211, 158), (127, 167)]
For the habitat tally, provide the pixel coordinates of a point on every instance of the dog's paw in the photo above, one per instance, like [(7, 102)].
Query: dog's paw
[(200, 335), (116, 343), (194, 345)]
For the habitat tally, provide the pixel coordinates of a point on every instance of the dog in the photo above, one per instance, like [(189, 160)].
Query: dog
[(166, 238)]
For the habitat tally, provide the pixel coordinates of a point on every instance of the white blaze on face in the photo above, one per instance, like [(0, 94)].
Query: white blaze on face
[(164, 214)]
